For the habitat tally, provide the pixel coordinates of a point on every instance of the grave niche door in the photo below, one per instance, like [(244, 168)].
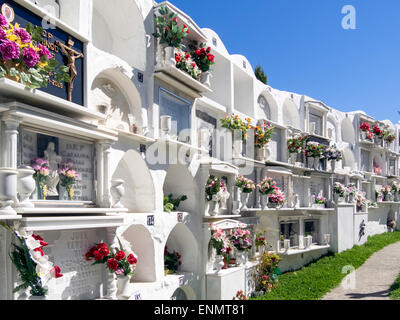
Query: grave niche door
[(60, 150)]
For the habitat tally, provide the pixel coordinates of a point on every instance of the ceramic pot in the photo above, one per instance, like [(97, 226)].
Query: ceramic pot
[(244, 198), (123, 286), (333, 165), (206, 78), (8, 190), (273, 205), (169, 56), (215, 210), (117, 192), (219, 263), (25, 186), (260, 154), (310, 162), (264, 201), (241, 258), (316, 163)]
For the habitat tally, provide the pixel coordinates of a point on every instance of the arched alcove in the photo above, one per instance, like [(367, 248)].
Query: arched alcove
[(347, 130), (180, 182), (291, 116), (142, 244), (267, 107), (348, 159), (139, 186), (120, 30), (184, 293), (182, 240), (115, 95)]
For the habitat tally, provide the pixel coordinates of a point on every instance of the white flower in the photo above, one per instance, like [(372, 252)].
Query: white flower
[(31, 243)]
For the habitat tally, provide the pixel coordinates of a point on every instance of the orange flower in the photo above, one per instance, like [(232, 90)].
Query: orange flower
[(261, 136), (248, 120)]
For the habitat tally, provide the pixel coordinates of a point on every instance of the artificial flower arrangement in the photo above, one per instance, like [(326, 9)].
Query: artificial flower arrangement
[(240, 239), (120, 261), (68, 178), (168, 30), (172, 261), (277, 197), (31, 262), (240, 296), (263, 134), (261, 240), (185, 63), (24, 60), (314, 149), (296, 144), (245, 185), (202, 56), (389, 136), (320, 200), (266, 186), (372, 205), (171, 203), (351, 189), (365, 127), (340, 189), (267, 273), (386, 191), (216, 189), (234, 122), (361, 200), (42, 171), (395, 187), (220, 242), (378, 132), (332, 153)]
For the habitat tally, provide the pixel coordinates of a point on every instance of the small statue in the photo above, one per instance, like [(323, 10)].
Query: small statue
[(53, 178), (296, 201)]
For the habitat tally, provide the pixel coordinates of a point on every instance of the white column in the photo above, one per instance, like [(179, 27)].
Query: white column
[(10, 141), (106, 174)]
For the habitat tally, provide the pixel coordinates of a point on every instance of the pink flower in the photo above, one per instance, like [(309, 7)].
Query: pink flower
[(9, 50), (30, 57), (3, 21), (23, 35), (44, 52)]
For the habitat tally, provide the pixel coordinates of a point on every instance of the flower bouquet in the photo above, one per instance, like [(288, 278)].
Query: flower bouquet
[(185, 63), (339, 191), (234, 122), (202, 56), (296, 144), (68, 178), (389, 137), (332, 153), (378, 134), (261, 240), (366, 133), (221, 244), (361, 200), (168, 30), (213, 187), (276, 199), (24, 60), (386, 192), (32, 264), (172, 261), (267, 273), (42, 171), (320, 201), (263, 135), (351, 189), (245, 185), (240, 239), (265, 188)]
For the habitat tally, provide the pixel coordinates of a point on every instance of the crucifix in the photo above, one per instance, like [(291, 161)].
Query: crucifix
[(71, 55)]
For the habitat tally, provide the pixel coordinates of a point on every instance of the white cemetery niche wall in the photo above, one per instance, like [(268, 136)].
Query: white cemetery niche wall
[(365, 160), (275, 145), (207, 123), (67, 249), (299, 187), (79, 153), (316, 186)]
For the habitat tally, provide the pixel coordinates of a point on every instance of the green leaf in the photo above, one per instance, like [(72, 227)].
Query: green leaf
[(3, 71), (14, 72)]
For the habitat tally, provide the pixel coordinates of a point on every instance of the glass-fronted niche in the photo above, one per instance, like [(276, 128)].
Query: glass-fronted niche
[(61, 153), (180, 111)]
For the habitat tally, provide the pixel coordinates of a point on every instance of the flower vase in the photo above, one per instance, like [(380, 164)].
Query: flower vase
[(273, 205), (333, 165), (396, 197), (264, 201), (41, 190), (350, 198), (226, 263), (215, 210), (240, 258), (260, 154), (310, 162), (244, 198), (123, 287), (169, 56), (316, 163), (267, 152), (219, 263), (25, 186), (293, 158), (206, 78)]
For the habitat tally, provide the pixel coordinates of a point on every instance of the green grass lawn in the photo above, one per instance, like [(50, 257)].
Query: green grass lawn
[(315, 280), (395, 290)]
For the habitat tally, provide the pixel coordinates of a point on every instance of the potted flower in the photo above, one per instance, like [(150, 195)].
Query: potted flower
[(339, 192), (217, 192), (204, 59), (267, 273), (240, 239), (42, 171), (334, 155), (261, 242), (262, 136), (378, 134), (121, 261), (388, 137), (172, 261), (31, 262), (246, 187), (386, 193), (351, 191), (169, 33), (222, 246), (295, 147), (24, 60), (68, 178), (186, 64), (265, 188), (276, 199), (396, 191), (361, 201), (234, 122), (314, 152), (366, 133), (319, 201)]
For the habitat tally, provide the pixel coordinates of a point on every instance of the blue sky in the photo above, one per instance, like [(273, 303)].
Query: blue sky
[(303, 48)]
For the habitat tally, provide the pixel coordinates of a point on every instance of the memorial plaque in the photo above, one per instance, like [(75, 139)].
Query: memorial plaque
[(81, 280), (28, 150), (150, 220), (81, 155)]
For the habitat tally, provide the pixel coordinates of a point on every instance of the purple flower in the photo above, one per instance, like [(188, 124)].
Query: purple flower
[(9, 50), (23, 35), (44, 52), (2, 34), (3, 21), (30, 57)]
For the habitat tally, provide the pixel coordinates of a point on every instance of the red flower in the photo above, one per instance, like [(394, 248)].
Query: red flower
[(101, 245), (175, 19), (187, 31), (120, 255), (166, 29), (97, 255), (194, 65), (210, 57), (208, 50), (88, 256), (104, 251), (197, 52), (56, 272), (178, 57), (132, 259), (39, 238), (112, 264), (39, 250)]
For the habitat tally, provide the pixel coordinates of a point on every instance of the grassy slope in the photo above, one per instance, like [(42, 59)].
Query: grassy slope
[(395, 290), (317, 279)]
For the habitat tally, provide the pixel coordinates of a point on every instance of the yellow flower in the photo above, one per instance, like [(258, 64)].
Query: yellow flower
[(13, 38), (42, 64)]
